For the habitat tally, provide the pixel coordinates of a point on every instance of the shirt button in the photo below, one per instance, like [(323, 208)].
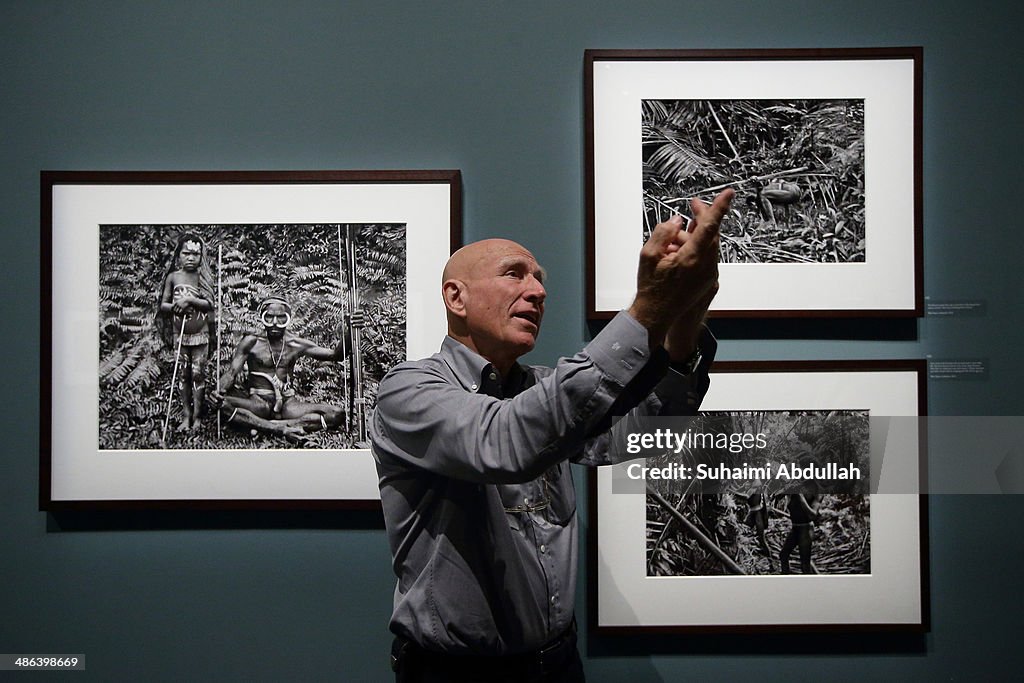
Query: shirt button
[(493, 377), (526, 501), (473, 387), (554, 599), (543, 548)]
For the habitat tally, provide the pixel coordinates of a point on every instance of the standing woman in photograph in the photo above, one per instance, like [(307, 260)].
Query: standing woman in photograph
[(188, 297)]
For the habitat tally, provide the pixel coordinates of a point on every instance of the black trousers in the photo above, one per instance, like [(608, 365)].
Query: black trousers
[(557, 662)]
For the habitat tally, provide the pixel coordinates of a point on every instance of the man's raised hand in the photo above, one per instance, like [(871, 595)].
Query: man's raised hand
[(678, 271)]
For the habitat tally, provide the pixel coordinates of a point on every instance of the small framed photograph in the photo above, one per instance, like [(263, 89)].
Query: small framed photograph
[(823, 150), (756, 545), (215, 339)]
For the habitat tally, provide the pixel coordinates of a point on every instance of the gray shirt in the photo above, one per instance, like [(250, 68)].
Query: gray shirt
[(477, 495)]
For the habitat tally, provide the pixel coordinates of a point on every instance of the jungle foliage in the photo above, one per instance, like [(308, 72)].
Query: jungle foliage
[(842, 534), (842, 537), (797, 167), (301, 262)]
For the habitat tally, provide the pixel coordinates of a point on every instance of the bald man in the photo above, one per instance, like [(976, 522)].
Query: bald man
[(472, 450)]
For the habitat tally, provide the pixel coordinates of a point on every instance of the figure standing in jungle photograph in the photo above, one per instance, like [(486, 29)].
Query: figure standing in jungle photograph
[(803, 513), (757, 518), (268, 401), (187, 297)]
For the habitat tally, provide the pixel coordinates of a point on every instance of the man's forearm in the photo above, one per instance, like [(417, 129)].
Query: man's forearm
[(675, 394)]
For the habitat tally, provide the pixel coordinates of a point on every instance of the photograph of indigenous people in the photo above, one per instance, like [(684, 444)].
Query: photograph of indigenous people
[(753, 519), (246, 336)]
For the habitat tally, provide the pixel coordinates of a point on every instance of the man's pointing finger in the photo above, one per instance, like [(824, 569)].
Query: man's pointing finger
[(709, 218)]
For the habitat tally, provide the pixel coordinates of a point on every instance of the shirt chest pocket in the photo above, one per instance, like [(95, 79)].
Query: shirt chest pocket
[(562, 494), (520, 501), (550, 498)]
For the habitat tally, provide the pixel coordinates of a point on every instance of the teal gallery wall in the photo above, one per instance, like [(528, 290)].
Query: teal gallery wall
[(493, 89)]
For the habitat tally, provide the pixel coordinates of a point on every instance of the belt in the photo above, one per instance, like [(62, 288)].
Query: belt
[(553, 657)]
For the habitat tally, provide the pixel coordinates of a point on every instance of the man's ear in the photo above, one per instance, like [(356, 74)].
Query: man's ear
[(454, 297)]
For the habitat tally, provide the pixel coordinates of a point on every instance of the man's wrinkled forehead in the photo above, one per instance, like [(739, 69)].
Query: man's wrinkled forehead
[(522, 260), (488, 258), (486, 255)]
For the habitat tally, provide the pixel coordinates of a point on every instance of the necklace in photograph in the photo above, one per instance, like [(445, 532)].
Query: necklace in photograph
[(277, 359)]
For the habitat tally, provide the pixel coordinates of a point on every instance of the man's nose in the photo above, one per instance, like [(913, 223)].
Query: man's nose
[(535, 291)]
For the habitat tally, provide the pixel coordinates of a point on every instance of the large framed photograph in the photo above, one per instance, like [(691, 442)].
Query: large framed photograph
[(823, 149), (215, 339), (745, 551)]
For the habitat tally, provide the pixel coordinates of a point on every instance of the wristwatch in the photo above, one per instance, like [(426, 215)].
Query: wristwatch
[(688, 364)]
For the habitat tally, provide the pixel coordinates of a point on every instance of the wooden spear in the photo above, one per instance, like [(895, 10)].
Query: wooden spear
[(174, 380), (344, 346), (357, 360), (220, 321)]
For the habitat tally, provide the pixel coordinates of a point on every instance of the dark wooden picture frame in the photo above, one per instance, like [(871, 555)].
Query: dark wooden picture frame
[(262, 214), (624, 597), (823, 147)]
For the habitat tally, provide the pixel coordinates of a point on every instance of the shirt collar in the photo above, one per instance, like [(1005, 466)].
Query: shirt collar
[(470, 368)]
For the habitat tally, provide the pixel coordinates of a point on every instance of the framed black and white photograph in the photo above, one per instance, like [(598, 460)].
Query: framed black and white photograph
[(741, 518), (751, 549), (822, 148), (217, 337)]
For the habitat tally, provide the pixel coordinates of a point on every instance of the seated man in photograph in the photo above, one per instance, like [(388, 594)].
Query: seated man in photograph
[(472, 451), (271, 404)]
